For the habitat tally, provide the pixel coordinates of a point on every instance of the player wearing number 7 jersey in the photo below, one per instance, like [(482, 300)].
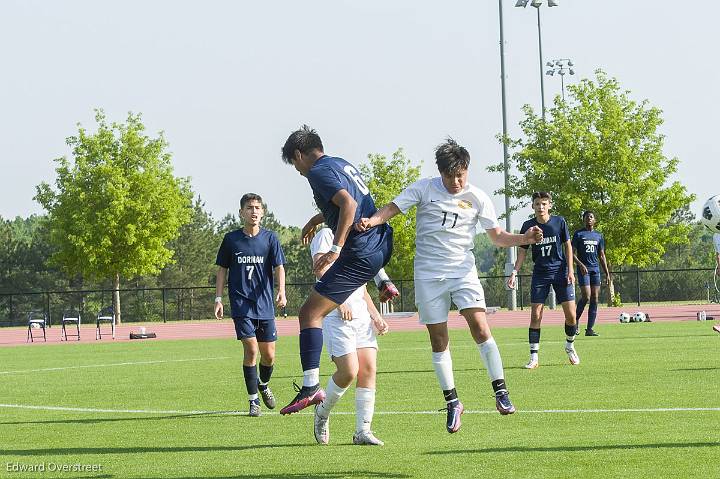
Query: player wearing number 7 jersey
[(449, 211), (356, 257), (248, 257), (553, 268)]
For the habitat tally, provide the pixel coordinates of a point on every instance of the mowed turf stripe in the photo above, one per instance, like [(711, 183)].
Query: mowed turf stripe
[(346, 413), (128, 363)]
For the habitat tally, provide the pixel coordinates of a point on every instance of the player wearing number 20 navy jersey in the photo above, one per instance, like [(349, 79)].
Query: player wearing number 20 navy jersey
[(356, 257), (553, 268), (589, 248)]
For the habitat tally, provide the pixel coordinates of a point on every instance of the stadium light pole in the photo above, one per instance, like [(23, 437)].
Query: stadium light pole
[(561, 67), (512, 296), (537, 4)]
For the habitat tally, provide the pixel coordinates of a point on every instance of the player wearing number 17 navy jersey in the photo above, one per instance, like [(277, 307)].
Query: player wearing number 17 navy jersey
[(356, 257), (553, 267)]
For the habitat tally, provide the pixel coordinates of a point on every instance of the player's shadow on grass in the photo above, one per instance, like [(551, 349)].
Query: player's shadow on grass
[(490, 450), (422, 371), (70, 451), (696, 369), (211, 414), (306, 475)]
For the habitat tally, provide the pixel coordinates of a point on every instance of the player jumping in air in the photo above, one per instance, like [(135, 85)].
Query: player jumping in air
[(589, 249), (250, 255), (448, 212), (350, 341), (553, 258), (356, 257)]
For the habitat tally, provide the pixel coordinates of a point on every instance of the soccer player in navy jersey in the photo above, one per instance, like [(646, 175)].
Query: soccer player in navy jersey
[(589, 248), (553, 268), (356, 257), (248, 257)]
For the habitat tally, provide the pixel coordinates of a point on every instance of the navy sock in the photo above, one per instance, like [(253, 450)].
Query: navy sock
[(533, 337), (579, 310), (450, 395), (311, 343), (499, 385), (592, 314), (570, 330), (251, 379), (265, 373)]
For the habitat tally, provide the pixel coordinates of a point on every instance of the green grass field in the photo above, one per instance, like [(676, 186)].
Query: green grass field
[(154, 409)]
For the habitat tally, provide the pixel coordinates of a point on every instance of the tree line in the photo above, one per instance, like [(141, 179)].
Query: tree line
[(117, 215)]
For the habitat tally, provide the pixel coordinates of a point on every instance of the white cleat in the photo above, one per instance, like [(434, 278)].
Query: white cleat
[(573, 356), (532, 364), (366, 438), (321, 428)]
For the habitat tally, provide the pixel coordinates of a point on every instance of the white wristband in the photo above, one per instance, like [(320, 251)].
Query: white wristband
[(218, 299), (335, 249)]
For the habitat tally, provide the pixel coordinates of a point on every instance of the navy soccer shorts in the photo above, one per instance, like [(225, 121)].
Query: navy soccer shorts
[(540, 288), (592, 278), (262, 329), (349, 272)]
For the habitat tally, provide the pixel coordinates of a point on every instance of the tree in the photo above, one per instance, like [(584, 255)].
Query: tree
[(386, 179), (116, 205), (600, 150)]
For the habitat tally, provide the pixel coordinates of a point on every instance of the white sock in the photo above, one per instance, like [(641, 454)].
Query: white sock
[(442, 362), (333, 393), (364, 408), (534, 348), (491, 358), (381, 276), (311, 377), (252, 397), (570, 344)]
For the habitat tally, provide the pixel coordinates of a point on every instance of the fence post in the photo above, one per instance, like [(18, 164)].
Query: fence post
[(164, 303), (402, 295), (47, 308), (637, 283)]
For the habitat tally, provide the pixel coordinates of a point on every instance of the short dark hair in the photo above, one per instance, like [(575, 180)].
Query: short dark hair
[(586, 213), (451, 157), (248, 197), (304, 140), (544, 195)]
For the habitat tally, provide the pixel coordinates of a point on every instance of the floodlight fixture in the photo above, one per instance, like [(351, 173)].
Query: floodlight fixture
[(536, 3), (553, 3), (521, 3)]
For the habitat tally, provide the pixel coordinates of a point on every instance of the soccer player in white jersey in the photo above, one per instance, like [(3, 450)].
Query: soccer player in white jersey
[(448, 211), (349, 338)]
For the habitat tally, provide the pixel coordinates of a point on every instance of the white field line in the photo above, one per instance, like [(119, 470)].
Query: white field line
[(128, 363), (346, 413)]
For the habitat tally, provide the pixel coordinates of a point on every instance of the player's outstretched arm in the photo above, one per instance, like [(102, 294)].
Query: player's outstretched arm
[(383, 215), (522, 252), (308, 231), (280, 298), (503, 239), (219, 287)]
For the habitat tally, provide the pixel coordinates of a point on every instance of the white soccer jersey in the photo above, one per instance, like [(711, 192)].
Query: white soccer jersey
[(716, 240), (321, 243), (446, 226)]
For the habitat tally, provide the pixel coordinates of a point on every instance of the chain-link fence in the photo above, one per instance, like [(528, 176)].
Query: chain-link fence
[(178, 304)]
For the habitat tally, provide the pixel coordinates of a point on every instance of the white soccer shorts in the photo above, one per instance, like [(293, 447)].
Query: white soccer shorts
[(344, 337), (433, 296)]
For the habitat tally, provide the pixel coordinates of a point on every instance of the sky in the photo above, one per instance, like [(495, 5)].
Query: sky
[(227, 81)]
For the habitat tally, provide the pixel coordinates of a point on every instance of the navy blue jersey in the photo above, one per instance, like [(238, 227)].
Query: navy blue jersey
[(328, 176), (250, 261), (548, 255), (587, 245)]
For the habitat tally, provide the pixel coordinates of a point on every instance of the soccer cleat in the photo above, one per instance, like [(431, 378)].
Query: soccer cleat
[(590, 332), (387, 291), (716, 328), (254, 409), (532, 364), (454, 411), (268, 397), (573, 356), (321, 428), (306, 396), (366, 438), (503, 404)]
